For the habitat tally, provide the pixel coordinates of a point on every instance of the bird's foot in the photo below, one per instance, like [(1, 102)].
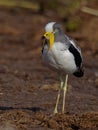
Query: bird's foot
[(63, 111), (55, 111)]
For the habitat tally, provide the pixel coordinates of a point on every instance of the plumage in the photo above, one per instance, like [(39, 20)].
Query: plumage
[(61, 53)]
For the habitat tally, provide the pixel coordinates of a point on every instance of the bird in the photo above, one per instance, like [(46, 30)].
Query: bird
[(61, 54)]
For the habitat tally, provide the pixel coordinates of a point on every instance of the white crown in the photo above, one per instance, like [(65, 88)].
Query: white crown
[(49, 27)]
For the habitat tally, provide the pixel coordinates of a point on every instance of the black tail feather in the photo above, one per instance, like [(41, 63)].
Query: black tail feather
[(79, 73)]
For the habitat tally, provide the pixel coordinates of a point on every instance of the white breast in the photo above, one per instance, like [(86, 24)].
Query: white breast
[(62, 60)]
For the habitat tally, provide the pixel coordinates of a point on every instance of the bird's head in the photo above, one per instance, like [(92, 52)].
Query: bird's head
[(49, 33), (50, 29)]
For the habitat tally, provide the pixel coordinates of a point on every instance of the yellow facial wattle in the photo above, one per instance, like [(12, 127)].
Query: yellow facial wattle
[(50, 36), (51, 39)]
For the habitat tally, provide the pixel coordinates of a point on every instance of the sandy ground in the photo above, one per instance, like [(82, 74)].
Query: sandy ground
[(28, 89)]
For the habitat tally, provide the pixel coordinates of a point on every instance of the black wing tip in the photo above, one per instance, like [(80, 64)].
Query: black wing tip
[(79, 73)]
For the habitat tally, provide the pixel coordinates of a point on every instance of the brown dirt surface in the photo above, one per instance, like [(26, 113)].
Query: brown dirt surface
[(28, 89)]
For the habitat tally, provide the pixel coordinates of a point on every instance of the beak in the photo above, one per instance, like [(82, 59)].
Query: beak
[(43, 37)]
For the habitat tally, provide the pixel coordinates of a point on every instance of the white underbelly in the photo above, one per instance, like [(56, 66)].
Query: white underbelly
[(61, 60)]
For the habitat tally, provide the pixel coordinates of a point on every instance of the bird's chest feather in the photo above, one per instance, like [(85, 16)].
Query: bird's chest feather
[(60, 58)]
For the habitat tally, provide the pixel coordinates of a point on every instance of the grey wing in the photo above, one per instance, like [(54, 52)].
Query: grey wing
[(73, 42), (75, 50), (76, 53)]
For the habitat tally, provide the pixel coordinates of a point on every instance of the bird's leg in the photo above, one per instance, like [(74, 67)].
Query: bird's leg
[(58, 97), (65, 90)]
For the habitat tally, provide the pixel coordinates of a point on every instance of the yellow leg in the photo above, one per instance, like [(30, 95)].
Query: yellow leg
[(58, 97), (65, 90)]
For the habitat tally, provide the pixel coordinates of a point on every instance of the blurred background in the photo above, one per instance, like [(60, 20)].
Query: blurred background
[(25, 82)]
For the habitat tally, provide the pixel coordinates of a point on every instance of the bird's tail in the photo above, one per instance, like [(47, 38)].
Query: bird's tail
[(79, 73)]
